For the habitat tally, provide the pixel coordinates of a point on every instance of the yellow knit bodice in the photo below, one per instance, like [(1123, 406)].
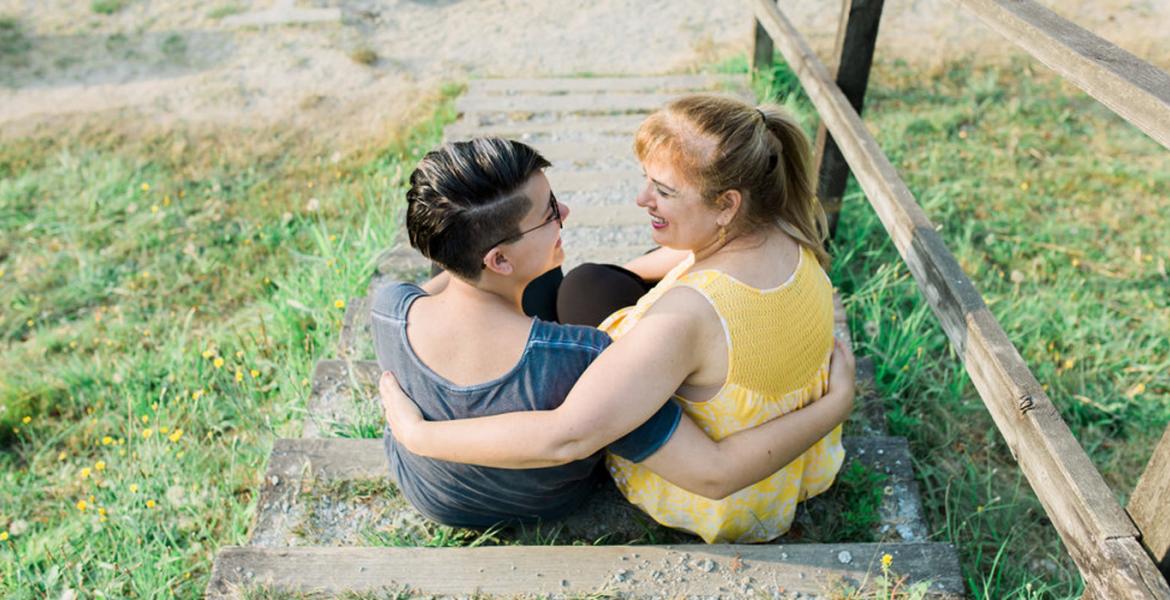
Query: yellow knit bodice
[(779, 342)]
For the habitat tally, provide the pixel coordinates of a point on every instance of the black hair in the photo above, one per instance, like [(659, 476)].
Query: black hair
[(466, 195)]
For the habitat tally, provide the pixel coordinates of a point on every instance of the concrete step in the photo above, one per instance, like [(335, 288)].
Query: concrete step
[(618, 182), (308, 496), (343, 397), (566, 85), (688, 571), (594, 103), (566, 128)]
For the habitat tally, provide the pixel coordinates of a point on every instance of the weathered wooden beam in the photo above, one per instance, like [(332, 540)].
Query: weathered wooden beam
[(762, 48), (1078, 502), (1150, 505), (683, 571), (1131, 87), (852, 57)]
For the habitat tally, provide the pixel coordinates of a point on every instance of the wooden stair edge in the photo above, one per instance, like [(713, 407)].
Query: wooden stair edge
[(626, 571)]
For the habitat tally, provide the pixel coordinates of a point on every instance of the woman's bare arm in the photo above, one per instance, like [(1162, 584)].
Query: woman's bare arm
[(695, 462), (653, 266), (623, 387), (698, 464)]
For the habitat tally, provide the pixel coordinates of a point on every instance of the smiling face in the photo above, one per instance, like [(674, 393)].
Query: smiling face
[(680, 217), (538, 249)]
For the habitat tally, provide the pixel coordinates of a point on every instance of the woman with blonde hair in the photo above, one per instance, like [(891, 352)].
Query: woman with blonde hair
[(738, 329)]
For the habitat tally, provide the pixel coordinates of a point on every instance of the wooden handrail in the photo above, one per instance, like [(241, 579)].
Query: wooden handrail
[(1131, 87), (1097, 532)]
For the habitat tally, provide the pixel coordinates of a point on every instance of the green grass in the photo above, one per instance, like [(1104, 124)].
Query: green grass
[(164, 299), (107, 7), (1055, 208), (225, 10)]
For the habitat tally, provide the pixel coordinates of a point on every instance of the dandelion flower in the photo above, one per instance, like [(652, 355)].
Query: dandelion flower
[(81, 505), (3, 536), (85, 472), (174, 437), (886, 560), (150, 504), (100, 465), (145, 187), (218, 362), (145, 418), (146, 433), (107, 440), (254, 373), (339, 303), (26, 420), (239, 375), (133, 488), (208, 354), (102, 511), (196, 394)]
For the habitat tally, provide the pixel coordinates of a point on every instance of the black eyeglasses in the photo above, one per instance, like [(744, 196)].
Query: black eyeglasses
[(556, 216)]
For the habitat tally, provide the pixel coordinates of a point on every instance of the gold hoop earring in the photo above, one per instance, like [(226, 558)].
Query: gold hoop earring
[(722, 235)]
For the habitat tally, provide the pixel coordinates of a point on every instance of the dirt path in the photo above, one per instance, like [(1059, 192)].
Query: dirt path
[(346, 68)]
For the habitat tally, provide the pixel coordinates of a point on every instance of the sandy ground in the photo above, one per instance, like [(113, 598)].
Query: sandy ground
[(193, 62)]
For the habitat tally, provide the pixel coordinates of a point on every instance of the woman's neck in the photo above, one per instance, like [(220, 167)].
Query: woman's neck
[(489, 296)]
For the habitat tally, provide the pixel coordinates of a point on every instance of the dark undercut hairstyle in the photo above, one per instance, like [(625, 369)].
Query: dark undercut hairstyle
[(464, 196)]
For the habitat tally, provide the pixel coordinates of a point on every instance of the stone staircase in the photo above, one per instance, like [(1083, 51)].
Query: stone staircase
[(329, 521)]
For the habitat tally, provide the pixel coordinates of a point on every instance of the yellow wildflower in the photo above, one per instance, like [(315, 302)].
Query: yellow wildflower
[(133, 488), (305, 381), (3, 536), (196, 394), (239, 354), (100, 465), (150, 504), (102, 511), (239, 375), (254, 373), (146, 433), (218, 362), (61, 456), (886, 560), (163, 429), (26, 420), (208, 354), (145, 187), (174, 437), (154, 208), (81, 504), (145, 418), (339, 303), (85, 472), (107, 440)]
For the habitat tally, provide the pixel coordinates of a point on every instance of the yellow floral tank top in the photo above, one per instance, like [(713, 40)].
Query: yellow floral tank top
[(779, 342)]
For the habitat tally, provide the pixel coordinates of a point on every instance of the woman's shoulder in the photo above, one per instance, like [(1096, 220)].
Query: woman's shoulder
[(392, 298)]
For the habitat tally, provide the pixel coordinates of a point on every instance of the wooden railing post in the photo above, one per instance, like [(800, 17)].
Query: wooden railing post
[(856, 35), (762, 49), (1149, 506)]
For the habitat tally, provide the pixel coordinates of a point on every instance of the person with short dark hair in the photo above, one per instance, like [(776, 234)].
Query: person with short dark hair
[(461, 346)]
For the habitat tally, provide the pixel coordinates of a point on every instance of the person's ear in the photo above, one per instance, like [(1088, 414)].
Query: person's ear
[(496, 262), (729, 203)]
